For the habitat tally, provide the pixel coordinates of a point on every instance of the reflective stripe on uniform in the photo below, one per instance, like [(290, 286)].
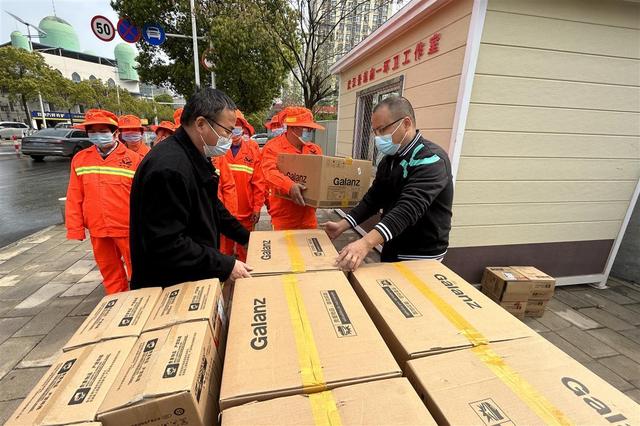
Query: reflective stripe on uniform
[(103, 170), (241, 168)]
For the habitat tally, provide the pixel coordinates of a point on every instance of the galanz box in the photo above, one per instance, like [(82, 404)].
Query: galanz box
[(190, 301), (117, 315), (522, 382), (296, 334), (279, 252), (330, 181), (382, 402), (75, 385), (170, 377), (422, 308)]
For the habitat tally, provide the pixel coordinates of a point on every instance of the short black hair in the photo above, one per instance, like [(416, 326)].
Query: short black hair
[(206, 102), (399, 107)]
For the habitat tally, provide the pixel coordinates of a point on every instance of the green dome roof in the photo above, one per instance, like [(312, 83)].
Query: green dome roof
[(125, 55), (59, 34), (19, 40)]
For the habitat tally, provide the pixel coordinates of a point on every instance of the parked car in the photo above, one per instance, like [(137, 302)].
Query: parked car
[(9, 129), (55, 142), (261, 138)]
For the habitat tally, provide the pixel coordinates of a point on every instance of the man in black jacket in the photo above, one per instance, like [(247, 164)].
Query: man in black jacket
[(413, 187), (176, 216)]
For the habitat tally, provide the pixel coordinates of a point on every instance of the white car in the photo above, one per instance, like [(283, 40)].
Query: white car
[(9, 129)]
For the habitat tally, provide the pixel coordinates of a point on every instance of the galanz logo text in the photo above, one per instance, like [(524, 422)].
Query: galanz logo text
[(456, 290), (266, 250), (346, 182), (581, 391), (259, 324), (297, 178)]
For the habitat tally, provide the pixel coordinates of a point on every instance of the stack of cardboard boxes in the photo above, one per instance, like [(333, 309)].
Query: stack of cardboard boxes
[(148, 356), (520, 290)]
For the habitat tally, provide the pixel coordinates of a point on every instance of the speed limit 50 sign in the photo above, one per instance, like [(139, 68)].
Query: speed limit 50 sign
[(103, 28)]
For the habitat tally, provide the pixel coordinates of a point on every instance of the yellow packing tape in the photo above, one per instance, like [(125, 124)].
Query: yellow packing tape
[(348, 161), (537, 402), (297, 264), (324, 408), (308, 357)]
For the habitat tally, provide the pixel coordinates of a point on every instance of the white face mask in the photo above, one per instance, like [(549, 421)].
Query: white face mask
[(218, 150), (131, 137)]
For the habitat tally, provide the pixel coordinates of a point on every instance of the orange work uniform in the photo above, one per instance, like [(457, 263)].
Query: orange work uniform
[(246, 167), (142, 150), (228, 195), (286, 214), (98, 199)]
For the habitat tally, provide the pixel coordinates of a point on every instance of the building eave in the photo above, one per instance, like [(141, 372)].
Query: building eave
[(405, 19)]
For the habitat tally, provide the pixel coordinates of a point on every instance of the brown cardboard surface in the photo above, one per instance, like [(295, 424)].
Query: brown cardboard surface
[(190, 301), (171, 376), (382, 402), (506, 284), (117, 315), (330, 181), (412, 324), (280, 341), (75, 385), (460, 389), (270, 253), (543, 285)]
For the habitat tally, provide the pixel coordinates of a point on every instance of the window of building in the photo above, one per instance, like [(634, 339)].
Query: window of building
[(75, 77), (92, 77)]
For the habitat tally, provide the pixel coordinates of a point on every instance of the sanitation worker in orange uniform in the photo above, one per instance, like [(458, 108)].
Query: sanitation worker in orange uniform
[(290, 214), (131, 134), (98, 198), (163, 131), (244, 160)]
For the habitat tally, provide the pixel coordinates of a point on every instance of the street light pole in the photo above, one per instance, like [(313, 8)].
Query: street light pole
[(194, 35)]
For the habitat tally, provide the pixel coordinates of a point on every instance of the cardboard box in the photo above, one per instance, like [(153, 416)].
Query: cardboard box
[(330, 181), (543, 286), (506, 284), (416, 306), (74, 387), (517, 309), (280, 252), (382, 402), (171, 376), (117, 315), (191, 301), (292, 334), (535, 308), (459, 388)]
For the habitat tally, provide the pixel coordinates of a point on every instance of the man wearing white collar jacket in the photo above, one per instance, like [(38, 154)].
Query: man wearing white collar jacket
[(413, 187)]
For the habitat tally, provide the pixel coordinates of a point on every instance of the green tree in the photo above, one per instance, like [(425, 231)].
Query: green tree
[(164, 97), (22, 75), (249, 67)]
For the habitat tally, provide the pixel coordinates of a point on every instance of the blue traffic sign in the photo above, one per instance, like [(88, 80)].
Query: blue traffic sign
[(128, 31), (153, 34)]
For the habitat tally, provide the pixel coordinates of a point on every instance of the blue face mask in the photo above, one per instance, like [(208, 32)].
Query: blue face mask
[(101, 139), (219, 149), (385, 143), (307, 135), (237, 131)]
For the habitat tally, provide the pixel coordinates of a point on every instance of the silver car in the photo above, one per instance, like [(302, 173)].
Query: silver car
[(9, 129), (55, 142)]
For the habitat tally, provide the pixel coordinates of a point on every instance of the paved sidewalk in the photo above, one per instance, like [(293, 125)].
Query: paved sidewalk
[(48, 286)]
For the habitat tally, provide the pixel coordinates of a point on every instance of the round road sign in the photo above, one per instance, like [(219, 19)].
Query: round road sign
[(103, 28), (128, 31), (207, 60), (153, 34)]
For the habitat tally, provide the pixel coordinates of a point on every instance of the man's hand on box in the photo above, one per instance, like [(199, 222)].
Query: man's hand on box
[(296, 194), (335, 229), (352, 255), (240, 270)]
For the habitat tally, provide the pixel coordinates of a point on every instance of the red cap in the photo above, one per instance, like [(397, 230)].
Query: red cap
[(176, 117), (130, 122), (167, 125), (241, 121)]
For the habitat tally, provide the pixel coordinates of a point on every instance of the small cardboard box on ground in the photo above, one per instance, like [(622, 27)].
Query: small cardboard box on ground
[(382, 402), (191, 301), (280, 252), (543, 287), (74, 387), (299, 333), (522, 382), (330, 181), (117, 315), (172, 376), (420, 307)]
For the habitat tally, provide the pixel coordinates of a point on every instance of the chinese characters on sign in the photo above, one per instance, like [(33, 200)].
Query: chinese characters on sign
[(412, 54)]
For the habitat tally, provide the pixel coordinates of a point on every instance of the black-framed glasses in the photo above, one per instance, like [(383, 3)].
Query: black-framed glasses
[(229, 131), (380, 129)]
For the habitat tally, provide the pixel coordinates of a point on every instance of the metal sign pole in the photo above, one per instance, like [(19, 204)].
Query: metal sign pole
[(194, 35)]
